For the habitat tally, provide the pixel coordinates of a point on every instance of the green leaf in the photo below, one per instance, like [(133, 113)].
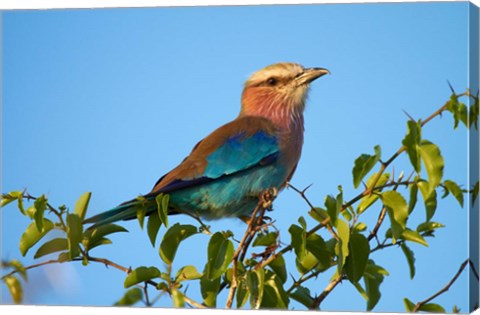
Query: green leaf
[(359, 249), (332, 209), (410, 259), (373, 277), (263, 239), (318, 248), (162, 208), (209, 290), (278, 266), (12, 196), (52, 246), (341, 248), (364, 164), (413, 236), (318, 214), (433, 161), (429, 198), (409, 305), (178, 299), (307, 263), (141, 208), (432, 308), (369, 200), (255, 285), (74, 234), (274, 296), (31, 235), (411, 142), (360, 227), (141, 274), (463, 113), (172, 239), (187, 273), (153, 226), (95, 237), (338, 202), (299, 240), (347, 215), (413, 198), (18, 266), (455, 190), (40, 205), (220, 253), (428, 226), (15, 289), (361, 290), (242, 292), (82, 204), (397, 211), (303, 296), (130, 297), (98, 242)]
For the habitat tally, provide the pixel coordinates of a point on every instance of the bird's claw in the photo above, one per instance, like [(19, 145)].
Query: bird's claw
[(267, 198)]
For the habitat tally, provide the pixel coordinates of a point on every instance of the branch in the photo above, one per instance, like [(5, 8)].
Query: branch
[(319, 299), (192, 302), (444, 289), (107, 263), (438, 112), (383, 213), (48, 262), (256, 220), (304, 197), (57, 213)]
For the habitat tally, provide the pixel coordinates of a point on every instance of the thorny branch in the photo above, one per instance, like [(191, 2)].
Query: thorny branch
[(107, 263), (449, 284), (255, 222)]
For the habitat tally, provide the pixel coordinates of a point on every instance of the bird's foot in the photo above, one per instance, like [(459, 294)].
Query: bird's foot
[(267, 198), (269, 250)]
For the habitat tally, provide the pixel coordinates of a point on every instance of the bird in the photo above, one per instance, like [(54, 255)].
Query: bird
[(226, 173)]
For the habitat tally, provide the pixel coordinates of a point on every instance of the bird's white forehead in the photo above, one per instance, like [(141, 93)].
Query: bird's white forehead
[(282, 70)]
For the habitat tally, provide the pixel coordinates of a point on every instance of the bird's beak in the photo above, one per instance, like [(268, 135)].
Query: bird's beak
[(310, 74)]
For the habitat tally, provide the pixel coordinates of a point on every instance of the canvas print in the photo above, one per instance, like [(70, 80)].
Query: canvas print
[(317, 157)]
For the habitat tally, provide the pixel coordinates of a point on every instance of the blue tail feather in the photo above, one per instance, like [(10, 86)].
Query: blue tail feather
[(124, 211)]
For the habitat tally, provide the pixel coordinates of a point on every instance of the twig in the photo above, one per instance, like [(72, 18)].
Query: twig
[(383, 245), (402, 149), (255, 220), (289, 247), (319, 299), (48, 262), (192, 302), (304, 197), (106, 262), (196, 217), (57, 213), (303, 279), (382, 214), (444, 289), (145, 292)]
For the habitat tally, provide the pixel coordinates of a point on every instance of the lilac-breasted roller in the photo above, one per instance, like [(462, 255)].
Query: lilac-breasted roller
[(227, 171)]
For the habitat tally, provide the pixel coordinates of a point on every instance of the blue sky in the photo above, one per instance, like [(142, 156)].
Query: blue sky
[(109, 100)]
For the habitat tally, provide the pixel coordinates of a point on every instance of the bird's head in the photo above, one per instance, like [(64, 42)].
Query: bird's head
[(279, 90)]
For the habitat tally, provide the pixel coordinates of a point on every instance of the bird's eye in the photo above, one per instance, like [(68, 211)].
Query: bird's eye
[(272, 81)]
